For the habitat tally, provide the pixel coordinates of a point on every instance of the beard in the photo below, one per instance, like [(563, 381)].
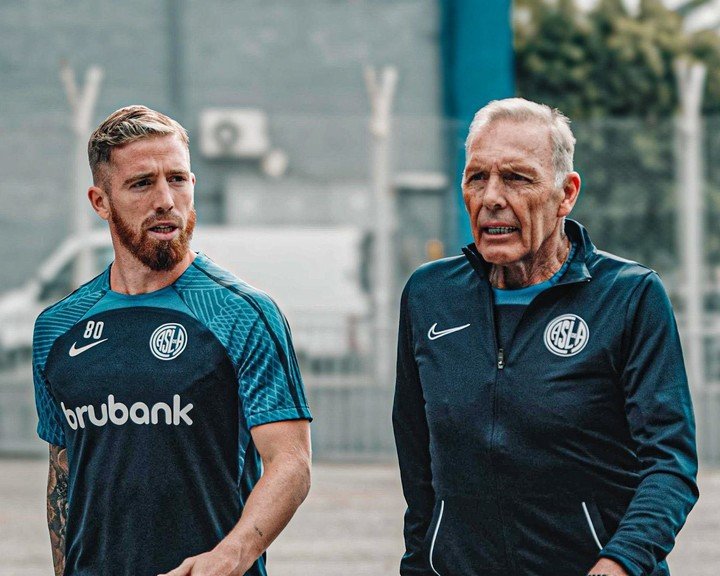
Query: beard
[(158, 255)]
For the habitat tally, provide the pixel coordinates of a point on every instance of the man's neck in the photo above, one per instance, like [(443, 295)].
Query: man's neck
[(130, 276), (526, 273)]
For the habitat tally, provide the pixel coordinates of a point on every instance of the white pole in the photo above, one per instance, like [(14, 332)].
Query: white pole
[(691, 83), (382, 92), (82, 105)]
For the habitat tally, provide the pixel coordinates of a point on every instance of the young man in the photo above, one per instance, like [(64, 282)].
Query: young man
[(542, 414), (167, 388)]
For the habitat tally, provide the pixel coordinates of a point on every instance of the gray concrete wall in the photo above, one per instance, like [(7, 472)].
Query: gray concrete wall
[(299, 61)]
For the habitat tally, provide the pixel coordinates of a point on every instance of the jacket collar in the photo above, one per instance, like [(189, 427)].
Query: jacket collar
[(577, 270)]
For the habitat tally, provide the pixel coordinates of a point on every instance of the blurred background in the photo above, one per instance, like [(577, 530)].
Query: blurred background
[(327, 140)]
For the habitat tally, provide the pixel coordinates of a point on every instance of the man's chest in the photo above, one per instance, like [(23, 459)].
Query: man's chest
[(560, 366), (139, 367)]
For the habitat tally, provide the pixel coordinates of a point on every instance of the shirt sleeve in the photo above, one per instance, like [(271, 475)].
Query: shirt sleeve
[(50, 418), (412, 440), (271, 387), (660, 416)]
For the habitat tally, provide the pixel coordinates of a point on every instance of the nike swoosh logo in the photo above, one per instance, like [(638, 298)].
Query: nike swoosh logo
[(433, 335), (75, 351)]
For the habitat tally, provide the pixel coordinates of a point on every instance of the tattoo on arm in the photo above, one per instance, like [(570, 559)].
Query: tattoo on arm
[(57, 498), (259, 531)]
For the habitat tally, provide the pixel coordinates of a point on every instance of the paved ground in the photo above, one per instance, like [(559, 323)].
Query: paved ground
[(349, 526)]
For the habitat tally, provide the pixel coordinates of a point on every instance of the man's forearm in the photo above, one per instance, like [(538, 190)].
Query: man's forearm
[(277, 495), (647, 531), (57, 505), (284, 448)]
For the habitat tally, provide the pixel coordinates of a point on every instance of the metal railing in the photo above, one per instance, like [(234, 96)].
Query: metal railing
[(630, 204)]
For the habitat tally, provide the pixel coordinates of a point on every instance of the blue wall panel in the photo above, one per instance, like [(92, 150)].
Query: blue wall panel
[(477, 68)]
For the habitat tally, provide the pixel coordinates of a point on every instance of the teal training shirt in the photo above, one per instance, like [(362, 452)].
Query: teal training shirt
[(154, 396)]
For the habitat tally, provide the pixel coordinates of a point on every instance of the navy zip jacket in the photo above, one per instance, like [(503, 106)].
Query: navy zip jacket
[(575, 441)]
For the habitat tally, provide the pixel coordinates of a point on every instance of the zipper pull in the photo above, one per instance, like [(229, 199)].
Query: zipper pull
[(501, 359)]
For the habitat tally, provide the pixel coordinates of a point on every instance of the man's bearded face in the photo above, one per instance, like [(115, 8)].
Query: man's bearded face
[(158, 255)]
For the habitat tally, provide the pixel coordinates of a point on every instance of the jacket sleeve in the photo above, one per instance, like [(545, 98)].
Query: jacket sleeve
[(660, 417), (412, 442)]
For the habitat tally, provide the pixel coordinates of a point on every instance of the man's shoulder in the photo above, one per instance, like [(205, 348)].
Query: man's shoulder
[(59, 317), (210, 283), (608, 266), (601, 264), (229, 307), (439, 271), (78, 301), (440, 280)]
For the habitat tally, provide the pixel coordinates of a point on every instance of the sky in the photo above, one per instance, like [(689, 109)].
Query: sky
[(704, 17)]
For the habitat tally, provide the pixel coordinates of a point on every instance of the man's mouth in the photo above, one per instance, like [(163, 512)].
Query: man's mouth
[(497, 230), (164, 231)]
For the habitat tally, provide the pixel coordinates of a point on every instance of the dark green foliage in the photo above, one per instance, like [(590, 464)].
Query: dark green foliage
[(608, 62), (612, 73), (705, 46), (552, 58)]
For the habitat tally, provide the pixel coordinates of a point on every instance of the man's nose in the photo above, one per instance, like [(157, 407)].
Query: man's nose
[(163, 200), (494, 196)]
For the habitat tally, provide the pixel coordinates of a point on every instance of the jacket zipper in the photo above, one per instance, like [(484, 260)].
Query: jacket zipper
[(435, 533), (500, 366), (475, 262)]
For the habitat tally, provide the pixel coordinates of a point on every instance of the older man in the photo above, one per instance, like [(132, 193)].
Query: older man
[(542, 415), (167, 388)]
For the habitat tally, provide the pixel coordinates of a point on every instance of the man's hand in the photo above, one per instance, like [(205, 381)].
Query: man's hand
[(220, 561), (606, 567), (284, 448)]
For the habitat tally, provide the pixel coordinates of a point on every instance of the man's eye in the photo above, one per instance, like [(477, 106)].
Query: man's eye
[(479, 177), (178, 178), (141, 183)]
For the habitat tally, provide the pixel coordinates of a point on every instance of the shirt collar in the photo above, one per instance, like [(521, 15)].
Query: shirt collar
[(577, 270)]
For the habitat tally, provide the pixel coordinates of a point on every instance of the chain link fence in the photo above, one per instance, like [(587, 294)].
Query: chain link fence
[(630, 204)]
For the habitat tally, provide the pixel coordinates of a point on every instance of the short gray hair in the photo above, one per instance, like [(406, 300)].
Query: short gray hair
[(521, 110), (127, 125)]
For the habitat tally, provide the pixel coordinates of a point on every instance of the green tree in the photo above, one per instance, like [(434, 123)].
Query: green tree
[(705, 46), (552, 57), (635, 58), (612, 72), (608, 62)]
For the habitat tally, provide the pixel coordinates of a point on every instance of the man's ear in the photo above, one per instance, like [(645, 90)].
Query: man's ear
[(571, 190), (99, 201)]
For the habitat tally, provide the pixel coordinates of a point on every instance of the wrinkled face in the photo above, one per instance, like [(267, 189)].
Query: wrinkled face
[(509, 191), (150, 204)]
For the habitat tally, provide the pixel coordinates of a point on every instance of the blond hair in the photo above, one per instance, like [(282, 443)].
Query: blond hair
[(127, 125)]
